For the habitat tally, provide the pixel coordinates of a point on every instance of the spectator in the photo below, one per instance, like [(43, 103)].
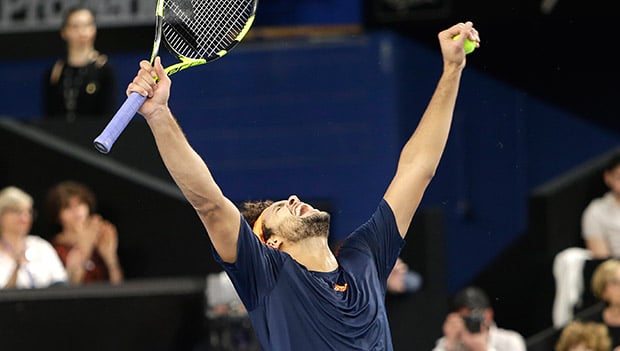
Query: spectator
[(600, 225), (26, 261), (584, 336), (471, 327), (606, 288), (86, 243), (601, 219), (83, 83)]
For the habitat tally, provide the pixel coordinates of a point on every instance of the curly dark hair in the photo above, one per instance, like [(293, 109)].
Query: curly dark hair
[(251, 210)]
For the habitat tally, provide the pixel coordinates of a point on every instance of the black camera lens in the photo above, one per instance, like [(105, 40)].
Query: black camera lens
[(473, 321)]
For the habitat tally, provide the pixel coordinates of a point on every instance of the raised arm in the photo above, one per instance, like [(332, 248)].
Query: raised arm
[(218, 214), (421, 154)]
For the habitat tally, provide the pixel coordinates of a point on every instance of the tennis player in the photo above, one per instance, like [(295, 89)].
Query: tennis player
[(300, 295)]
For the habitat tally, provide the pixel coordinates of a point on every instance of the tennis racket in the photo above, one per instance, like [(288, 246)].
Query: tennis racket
[(196, 32)]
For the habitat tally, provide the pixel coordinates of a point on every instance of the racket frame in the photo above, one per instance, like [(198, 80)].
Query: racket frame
[(104, 142)]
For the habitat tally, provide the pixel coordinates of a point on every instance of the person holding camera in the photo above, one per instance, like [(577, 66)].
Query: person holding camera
[(470, 326)]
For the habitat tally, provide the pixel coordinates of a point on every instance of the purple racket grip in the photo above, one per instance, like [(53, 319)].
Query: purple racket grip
[(107, 138)]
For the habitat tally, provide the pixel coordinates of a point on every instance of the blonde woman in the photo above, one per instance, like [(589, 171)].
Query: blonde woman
[(606, 287), (26, 261), (584, 336)]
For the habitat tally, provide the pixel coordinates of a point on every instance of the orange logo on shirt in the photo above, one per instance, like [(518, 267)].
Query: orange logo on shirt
[(341, 288)]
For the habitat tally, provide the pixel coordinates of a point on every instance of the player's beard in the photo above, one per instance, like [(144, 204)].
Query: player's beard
[(315, 225)]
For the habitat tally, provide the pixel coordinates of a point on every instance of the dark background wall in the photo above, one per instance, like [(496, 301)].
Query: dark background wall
[(526, 113)]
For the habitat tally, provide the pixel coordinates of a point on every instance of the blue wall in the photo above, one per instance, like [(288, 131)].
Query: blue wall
[(326, 119), (287, 12)]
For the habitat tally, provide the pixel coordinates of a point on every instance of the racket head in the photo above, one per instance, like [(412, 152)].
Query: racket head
[(200, 31)]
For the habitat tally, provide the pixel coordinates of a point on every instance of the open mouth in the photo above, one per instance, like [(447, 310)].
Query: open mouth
[(303, 210)]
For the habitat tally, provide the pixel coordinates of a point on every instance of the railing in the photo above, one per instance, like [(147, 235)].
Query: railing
[(162, 314)]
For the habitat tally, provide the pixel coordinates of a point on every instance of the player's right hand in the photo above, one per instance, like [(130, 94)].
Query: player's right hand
[(152, 82)]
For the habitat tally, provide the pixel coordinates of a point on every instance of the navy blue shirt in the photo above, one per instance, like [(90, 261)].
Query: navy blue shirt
[(293, 308)]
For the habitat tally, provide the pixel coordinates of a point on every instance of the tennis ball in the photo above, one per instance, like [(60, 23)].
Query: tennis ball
[(469, 46)]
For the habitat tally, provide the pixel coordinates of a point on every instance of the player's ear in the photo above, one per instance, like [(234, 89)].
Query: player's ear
[(274, 242)]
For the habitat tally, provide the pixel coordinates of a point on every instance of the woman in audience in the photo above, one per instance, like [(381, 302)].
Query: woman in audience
[(584, 336), (86, 243), (82, 84), (606, 287), (26, 261)]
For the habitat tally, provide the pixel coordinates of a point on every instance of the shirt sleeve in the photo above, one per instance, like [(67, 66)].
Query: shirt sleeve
[(519, 343), (591, 224), (257, 267), (440, 345), (504, 339), (378, 238)]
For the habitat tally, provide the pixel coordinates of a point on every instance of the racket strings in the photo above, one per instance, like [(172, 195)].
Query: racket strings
[(203, 28)]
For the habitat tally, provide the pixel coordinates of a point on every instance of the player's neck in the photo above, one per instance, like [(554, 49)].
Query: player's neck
[(313, 253), (81, 56)]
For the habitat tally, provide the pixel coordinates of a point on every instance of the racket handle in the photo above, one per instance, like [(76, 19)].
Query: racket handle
[(107, 138)]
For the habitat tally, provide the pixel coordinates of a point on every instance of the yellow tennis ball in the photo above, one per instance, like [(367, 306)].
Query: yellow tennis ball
[(469, 46)]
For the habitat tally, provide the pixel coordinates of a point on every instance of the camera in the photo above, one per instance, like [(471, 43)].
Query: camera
[(473, 321)]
